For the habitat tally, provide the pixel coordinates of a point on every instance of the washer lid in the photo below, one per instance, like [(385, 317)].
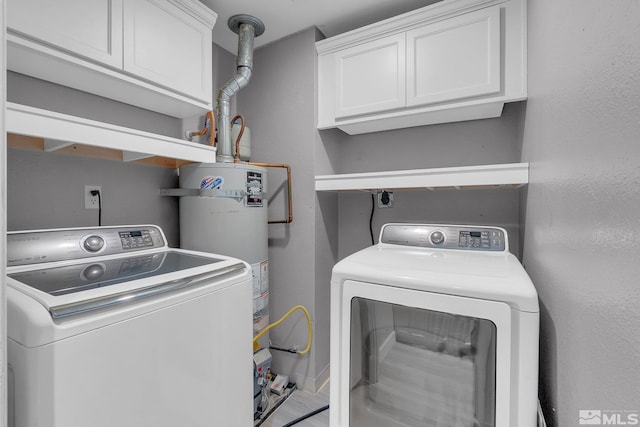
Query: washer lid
[(70, 288), (68, 279), (128, 288), (495, 276)]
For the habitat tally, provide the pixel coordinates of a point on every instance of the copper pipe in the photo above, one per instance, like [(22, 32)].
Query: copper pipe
[(236, 159), (209, 118), (288, 168), (236, 156)]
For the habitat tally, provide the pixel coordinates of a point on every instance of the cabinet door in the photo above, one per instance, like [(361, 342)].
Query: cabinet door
[(454, 59), (371, 77), (88, 28), (166, 46)]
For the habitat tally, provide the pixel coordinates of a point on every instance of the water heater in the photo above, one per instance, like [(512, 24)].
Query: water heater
[(228, 216)]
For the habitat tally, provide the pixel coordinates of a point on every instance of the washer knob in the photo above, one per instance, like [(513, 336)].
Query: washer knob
[(437, 237), (93, 272), (93, 243)]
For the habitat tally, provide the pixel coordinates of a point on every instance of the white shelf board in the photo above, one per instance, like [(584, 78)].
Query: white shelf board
[(66, 129), (512, 174)]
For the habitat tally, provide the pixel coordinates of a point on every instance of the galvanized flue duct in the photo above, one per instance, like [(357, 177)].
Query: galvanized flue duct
[(247, 27)]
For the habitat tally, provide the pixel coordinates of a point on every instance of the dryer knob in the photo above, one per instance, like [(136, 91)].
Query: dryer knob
[(93, 243), (437, 237)]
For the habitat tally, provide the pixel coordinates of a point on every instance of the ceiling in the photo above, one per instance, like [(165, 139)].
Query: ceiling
[(285, 17)]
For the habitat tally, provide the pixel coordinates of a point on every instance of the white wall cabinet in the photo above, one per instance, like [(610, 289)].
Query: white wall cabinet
[(371, 77), (458, 58), (166, 46), (155, 54), (451, 61), (88, 28)]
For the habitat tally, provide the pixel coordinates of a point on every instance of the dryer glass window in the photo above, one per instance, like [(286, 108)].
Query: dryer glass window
[(413, 367)]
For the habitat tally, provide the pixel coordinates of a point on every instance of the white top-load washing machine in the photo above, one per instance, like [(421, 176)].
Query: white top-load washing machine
[(110, 327), (435, 326)]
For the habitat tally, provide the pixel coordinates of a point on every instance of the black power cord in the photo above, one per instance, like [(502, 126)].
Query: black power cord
[(286, 350), (97, 193), (373, 207), (304, 417)]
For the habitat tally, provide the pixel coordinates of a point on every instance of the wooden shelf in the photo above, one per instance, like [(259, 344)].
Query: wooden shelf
[(35, 128), (486, 176)]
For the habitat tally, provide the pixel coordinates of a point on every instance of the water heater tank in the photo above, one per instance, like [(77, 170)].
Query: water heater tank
[(232, 221)]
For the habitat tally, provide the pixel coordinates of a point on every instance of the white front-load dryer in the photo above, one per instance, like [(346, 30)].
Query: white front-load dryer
[(435, 326)]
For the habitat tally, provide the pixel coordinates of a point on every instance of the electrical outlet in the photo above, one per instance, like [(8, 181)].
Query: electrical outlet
[(385, 199), (90, 201)]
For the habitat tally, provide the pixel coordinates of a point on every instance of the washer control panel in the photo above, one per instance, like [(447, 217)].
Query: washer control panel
[(34, 247), (137, 239), (477, 238)]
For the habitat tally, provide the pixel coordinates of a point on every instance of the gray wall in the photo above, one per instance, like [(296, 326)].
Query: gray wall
[(279, 106), (582, 235), (46, 190), (38, 93), (469, 143)]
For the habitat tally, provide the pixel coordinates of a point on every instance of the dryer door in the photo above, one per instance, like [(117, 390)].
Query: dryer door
[(418, 359)]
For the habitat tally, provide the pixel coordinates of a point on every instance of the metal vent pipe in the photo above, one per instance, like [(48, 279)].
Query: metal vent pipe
[(247, 27)]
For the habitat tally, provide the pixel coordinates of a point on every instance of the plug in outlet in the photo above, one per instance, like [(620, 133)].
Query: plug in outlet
[(91, 201), (385, 199)]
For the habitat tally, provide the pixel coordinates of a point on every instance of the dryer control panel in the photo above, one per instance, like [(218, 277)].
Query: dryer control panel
[(463, 237)]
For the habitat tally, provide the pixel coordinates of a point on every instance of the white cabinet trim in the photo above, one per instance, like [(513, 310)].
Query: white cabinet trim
[(65, 129), (471, 110), (403, 23), (511, 174), (197, 10)]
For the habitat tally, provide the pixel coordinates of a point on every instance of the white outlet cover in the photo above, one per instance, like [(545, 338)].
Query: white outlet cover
[(91, 202)]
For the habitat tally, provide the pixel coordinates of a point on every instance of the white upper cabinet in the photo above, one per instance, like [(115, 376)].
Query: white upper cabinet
[(165, 45), (377, 65), (454, 59), (451, 61), (89, 28), (154, 54)]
